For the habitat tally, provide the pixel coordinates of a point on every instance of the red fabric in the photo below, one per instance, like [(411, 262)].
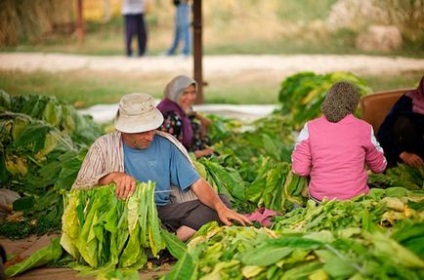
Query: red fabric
[(263, 216)]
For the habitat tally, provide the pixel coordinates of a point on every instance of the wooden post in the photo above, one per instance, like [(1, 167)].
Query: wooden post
[(198, 49), (80, 22)]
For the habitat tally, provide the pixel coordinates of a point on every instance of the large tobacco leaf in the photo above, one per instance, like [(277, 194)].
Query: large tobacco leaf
[(40, 155), (103, 232), (47, 255), (301, 94)]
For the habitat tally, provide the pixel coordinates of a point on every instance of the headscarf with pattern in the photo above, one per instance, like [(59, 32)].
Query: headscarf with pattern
[(172, 92)]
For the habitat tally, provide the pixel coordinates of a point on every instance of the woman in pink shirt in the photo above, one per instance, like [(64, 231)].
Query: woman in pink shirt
[(336, 149)]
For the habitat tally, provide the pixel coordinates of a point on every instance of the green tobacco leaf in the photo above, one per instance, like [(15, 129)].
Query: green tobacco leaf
[(301, 271), (23, 203), (227, 178), (176, 247), (133, 256), (33, 136), (52, 112), (272, 146), (47, 255), (154, 227), (68, 173), (296, 241), (70, 225), (336, 265), (384, 246), (20, 122), (265, 255), (5, 103), (185, 269), (86, 242)]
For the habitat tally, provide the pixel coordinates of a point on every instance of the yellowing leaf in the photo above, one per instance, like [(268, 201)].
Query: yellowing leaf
[(16, 165)]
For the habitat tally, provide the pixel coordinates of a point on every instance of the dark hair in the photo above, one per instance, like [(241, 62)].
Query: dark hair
[(176, 2)]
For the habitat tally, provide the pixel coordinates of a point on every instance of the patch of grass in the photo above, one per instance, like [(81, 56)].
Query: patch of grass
[(304, 10), (384, 83), (229, 27), (84, 88), (80, 88)]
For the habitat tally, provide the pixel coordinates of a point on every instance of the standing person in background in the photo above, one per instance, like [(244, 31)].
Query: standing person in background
[(182, 28), (335, 149), (189, 127), (402, 132), (135, 25)]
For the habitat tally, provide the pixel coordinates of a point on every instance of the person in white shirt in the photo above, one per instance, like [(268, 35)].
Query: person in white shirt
[(135, 26)]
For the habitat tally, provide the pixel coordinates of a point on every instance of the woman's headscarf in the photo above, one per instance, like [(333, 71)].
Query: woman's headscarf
[(417, 97), (176, 87), (172, 92), (341, 100)]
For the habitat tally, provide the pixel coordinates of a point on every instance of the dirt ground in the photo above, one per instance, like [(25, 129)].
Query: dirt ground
[(253, 66), (213, 65), (28, 246)]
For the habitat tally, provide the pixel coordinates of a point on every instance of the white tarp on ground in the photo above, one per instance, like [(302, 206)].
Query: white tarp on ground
[(106, 113)]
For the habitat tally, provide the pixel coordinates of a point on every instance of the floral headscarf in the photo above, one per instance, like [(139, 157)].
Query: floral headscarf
[(172, 92)]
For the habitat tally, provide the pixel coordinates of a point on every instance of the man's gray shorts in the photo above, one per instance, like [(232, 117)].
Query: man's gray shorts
[(193, 214)]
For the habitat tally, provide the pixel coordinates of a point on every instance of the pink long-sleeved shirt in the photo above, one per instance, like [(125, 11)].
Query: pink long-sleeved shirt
[(336, 155)]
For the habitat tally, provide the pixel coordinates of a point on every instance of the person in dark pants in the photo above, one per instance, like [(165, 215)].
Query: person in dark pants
[(135, 25), (402, 132)]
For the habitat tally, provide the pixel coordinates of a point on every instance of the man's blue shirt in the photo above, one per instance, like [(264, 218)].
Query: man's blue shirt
[(163, 163)]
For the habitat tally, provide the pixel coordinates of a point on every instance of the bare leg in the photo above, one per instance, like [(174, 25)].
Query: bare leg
[(185, 232)]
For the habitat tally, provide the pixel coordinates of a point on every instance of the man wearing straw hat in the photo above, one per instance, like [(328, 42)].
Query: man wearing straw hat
[(138, 152)]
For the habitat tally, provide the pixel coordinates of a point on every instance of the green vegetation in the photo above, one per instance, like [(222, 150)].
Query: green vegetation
[(353, 239), (85, 89), (229, 27), (251, 166)]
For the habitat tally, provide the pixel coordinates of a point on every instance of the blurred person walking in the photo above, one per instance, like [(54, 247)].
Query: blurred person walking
[(182, 28), (135, 26)]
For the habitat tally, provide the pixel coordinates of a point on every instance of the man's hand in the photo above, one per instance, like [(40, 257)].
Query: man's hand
[(207, 196), (228, 217), (411, 159), (125, 184)]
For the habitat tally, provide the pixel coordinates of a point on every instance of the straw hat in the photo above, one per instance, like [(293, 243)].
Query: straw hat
[(137, 113)]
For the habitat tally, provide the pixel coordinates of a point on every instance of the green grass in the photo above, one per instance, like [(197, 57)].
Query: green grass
[(81, 89), (390, 82), (234, 27), (85, 89)]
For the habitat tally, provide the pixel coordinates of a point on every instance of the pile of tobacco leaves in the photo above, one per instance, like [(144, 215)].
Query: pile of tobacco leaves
[(43, 143)]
